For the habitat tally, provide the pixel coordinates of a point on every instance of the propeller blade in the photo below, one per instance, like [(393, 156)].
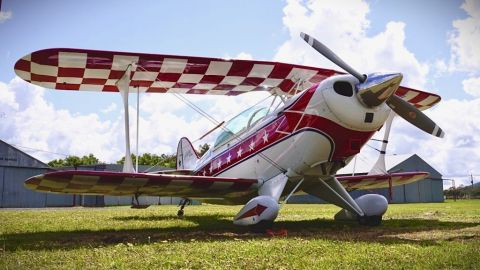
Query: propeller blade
[(325, 51), (413, 115)]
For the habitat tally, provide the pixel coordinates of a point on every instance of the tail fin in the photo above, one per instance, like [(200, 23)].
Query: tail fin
[(187, 157)]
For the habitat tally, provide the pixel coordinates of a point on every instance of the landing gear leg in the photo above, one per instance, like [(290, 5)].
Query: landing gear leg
[(182, 204)]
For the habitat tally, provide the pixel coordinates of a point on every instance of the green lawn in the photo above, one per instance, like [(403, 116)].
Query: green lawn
[(413, 236)]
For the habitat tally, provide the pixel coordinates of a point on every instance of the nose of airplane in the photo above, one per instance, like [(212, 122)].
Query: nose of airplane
[(377, 88)]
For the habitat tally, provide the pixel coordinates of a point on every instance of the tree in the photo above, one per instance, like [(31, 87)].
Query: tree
[(74, 161), (164, 160), (203, 148)]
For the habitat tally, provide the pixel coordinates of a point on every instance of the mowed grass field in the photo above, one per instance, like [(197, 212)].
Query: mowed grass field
[(413, 236)]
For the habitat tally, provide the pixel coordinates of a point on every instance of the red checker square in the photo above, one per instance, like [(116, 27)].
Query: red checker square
[(157, 90), (71, 72), (116, 74), (43, 78), (67, 86), (196, 66), (99, 60), (286, 85), (280, 71), (224, 87), (233, 93), (212, 79), (240, 68), (110, 88), (141, 83), (201, 184), (168, 77), (46, 57), (94, 81), (23, 65), (252, 81), (150, 65)]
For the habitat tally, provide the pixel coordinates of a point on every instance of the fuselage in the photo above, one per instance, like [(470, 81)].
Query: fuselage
[(316, 132)]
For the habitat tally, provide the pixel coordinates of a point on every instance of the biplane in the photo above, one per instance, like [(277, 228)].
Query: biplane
[(321, 119)]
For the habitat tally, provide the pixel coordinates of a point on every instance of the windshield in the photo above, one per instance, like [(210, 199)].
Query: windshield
[(241, 123)]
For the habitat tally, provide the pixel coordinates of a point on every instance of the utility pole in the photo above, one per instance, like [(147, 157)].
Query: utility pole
[(471, 181)]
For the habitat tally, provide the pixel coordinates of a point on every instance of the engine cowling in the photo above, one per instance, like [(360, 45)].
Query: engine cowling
[(261, 208)]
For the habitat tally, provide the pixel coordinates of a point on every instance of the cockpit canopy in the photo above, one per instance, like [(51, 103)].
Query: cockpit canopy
[(241, 123)]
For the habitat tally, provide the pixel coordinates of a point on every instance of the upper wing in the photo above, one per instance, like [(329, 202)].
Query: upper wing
[(420, 99), (119, 183), (380, 180), (89, 70)]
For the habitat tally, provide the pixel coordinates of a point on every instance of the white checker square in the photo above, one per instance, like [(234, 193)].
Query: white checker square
[(70, 80), (205, 86), (271, 82), (178, 90), (91, 87), (232, 80), (43, 69), (24, 74), (27, 58), (190, 78), (260, 71), (217, 92), (162, 84), (429, 100), (145, 75), (243, 88), (111, 82), (301, 74), (173, 65), (72, 60), (96, 73), (129, 181), (410, 95), (218, 68), (45, 84), (121, 62)]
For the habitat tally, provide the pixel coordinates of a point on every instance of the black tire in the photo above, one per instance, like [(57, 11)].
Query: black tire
[(371, 221), (180, 213), (262, 226)]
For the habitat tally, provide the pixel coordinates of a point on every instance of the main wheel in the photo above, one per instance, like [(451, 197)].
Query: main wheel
[(370, 220), (180, 213), (261, 226)]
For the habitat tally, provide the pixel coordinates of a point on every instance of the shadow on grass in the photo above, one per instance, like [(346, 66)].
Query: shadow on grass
[(216, 227)]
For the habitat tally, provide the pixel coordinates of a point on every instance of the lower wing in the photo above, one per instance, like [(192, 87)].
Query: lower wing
[(119, 183), (380, 180)]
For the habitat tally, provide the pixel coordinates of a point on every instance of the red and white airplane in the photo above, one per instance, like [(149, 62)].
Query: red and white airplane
[(266, 152)]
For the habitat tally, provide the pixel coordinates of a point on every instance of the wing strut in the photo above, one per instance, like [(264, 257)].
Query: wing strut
[(123, 86), (379, 167)]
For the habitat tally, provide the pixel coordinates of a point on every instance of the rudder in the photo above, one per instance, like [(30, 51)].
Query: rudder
[(187, 157)]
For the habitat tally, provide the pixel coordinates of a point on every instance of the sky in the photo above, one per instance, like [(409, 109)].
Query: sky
[(433, 43)]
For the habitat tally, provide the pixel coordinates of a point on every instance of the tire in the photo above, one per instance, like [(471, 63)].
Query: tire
[(180, 213), (262, 226), (371, 221)]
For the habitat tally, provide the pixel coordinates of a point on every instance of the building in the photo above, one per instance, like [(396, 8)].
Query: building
[(16, 166), (427, 190)]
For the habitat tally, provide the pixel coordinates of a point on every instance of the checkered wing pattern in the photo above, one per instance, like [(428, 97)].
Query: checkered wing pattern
[(380, 180), (89, 70), (117, 183)]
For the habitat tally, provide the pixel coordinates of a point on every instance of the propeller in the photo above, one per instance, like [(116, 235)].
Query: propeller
[(377, 89)]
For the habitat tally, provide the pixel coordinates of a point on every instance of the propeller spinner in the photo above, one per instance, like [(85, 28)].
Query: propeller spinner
[(376, 89)]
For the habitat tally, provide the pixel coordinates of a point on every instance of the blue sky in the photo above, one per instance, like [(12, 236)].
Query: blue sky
[(264, 30)]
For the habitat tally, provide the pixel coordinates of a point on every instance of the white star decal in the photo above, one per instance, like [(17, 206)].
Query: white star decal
[(219, 163), (265, 136), (251, 145), (204, 172), (211, 167), (229, 158), (239, 152)]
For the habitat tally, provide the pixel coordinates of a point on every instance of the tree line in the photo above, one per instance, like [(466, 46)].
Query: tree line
[(162, 160)]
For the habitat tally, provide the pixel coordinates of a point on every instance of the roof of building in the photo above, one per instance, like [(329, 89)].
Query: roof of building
[(14, 157)]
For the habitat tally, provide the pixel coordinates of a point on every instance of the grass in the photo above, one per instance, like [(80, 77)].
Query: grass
[(413, 236)]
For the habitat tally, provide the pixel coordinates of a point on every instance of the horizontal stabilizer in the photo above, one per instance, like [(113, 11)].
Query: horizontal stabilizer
[(380, 180)]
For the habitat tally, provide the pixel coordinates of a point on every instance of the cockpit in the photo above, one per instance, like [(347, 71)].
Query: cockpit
[(241, 123)]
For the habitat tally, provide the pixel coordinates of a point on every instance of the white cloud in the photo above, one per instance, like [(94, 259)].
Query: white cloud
[(5, 15), (472, 86), (240, 56), (112, 107), (342, 26), (465, 39)]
